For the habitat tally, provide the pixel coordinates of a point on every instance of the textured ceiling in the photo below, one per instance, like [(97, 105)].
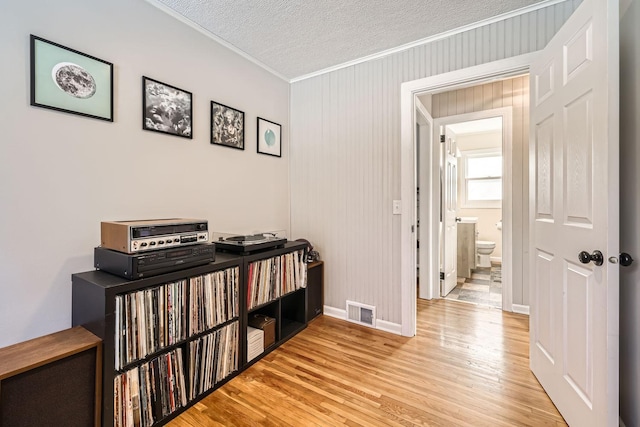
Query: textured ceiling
[(299, 37)]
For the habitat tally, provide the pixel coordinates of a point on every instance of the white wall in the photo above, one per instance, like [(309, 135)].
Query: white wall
[(630, 212), (345, 153), (61, 174)]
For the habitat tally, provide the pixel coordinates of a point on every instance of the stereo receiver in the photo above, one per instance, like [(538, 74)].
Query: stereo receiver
[(144, 235), (147, 264)]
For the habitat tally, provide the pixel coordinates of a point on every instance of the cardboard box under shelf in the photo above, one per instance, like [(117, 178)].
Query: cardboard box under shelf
[(267, 324)]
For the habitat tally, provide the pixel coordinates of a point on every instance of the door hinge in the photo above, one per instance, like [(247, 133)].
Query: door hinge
[(441, 138), (441, 275), (413, 228)]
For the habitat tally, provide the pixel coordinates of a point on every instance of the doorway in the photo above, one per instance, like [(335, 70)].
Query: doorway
[(503, 101), (455, 81), (471, 250)]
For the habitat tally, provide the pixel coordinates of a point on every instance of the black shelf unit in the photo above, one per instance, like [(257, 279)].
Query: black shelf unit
[(94, 307), (289, 310)]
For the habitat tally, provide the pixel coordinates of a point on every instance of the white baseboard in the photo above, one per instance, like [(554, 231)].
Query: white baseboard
[(381, 325), (335, 312), (393, 328), (522, 309)]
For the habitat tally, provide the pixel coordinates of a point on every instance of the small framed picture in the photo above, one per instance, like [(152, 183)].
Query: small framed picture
[(227, 126), (66, 80), (269, 138), (166, 108)]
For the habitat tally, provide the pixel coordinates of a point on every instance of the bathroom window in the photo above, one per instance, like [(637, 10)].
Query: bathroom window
[(482, 174)]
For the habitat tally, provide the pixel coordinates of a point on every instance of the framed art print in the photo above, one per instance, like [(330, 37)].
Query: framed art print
[(166, 109), (269, 138), (227, 126), (66, 80)]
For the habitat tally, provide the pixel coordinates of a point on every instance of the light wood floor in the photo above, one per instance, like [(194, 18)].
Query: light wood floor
[(467, 366)]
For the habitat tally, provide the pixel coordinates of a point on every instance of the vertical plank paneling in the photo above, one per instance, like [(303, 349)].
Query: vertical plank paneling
[(493, 41), (480, 54), (534, 24), (468, 100), (446, 55), (487, 96), (345, 150), (515, 35), (459, 52), (524, 33), (500, 40), (497, 94), (477, 99), (508, 41), (460, 99), (467, 50)]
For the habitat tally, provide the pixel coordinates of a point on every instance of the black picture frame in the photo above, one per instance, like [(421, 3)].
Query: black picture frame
[(269, 138), (166, 108), (227, 126), (70, 81)]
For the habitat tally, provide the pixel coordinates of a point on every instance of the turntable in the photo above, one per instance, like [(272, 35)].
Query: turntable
[(247, 244)]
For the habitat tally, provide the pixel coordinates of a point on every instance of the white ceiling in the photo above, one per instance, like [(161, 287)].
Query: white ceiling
[(294, 38)]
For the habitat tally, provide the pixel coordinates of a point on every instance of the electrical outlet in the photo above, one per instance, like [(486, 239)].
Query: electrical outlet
[(397, 209)]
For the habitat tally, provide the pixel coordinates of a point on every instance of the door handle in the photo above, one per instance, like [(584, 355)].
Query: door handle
[(624, 259), (458, 219), (585, 257)]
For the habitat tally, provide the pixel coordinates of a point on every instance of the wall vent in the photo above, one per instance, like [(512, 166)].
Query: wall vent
[(361, 314)]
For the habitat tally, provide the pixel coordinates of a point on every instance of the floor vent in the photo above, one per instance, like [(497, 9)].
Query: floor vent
[(361, 314)]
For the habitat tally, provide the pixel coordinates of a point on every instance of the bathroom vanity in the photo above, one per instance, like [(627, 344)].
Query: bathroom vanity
[(466, 246)]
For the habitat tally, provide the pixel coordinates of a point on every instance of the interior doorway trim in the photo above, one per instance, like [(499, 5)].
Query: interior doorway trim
[(471, 76), (507, 191)]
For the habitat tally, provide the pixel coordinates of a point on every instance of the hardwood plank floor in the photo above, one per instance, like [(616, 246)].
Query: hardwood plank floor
[(467, 366)]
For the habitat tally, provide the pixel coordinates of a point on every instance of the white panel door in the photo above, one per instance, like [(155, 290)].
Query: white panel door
[(449, 213), (574, 190), (428, 271)]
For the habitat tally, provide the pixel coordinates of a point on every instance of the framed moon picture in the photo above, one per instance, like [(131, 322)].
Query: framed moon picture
[(269, 138), (66, 80)]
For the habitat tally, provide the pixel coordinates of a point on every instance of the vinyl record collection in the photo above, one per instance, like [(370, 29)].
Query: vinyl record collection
[(212, 358), (149, 320), (213, 299), (270, 278), (135, 391)]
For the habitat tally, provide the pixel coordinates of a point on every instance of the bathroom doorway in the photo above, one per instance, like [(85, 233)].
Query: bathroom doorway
[(472, 190), (509, 98)]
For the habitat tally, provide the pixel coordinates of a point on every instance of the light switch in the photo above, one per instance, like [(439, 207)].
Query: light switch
[(397, 209)]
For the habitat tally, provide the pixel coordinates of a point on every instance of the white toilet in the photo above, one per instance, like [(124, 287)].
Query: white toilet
[(485, 249)]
